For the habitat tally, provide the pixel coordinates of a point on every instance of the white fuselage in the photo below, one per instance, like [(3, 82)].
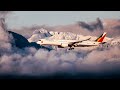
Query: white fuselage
[(65, 43)]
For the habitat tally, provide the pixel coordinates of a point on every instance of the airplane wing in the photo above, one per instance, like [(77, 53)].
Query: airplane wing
[(72, 43)]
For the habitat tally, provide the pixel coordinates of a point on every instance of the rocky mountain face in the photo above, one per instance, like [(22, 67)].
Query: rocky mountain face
[(38, 34), (15, 39)]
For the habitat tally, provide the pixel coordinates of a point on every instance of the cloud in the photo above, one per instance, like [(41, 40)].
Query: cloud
[(34, 62), (4, 14)]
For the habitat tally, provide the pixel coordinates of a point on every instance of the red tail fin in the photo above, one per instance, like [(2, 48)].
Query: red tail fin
[(101, 38)]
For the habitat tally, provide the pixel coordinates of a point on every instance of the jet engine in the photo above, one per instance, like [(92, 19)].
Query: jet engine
[(63, 45)]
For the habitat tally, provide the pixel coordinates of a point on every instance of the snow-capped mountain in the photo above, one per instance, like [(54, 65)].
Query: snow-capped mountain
[(38, 34), (43, 33)]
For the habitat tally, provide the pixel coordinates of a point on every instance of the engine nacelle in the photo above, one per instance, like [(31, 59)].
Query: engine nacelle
[(63, 45)]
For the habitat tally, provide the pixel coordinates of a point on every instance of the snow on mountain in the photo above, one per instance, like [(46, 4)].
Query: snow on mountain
[(43, 33), (38, 34)]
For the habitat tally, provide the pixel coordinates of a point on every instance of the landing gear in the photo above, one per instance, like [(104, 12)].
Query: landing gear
[(70, 48)]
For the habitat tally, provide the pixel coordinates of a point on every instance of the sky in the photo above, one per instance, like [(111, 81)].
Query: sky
[(52, 18)]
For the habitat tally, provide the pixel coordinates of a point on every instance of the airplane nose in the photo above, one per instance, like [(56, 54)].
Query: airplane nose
[(39, 41)]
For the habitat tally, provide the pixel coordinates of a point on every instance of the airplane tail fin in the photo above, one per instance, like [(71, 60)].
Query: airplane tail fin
[(101, 38)]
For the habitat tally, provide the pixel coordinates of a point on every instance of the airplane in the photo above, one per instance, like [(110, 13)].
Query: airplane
[(73, 43)]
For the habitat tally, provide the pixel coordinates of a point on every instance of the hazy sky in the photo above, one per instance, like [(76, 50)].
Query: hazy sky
[(28, 18)]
